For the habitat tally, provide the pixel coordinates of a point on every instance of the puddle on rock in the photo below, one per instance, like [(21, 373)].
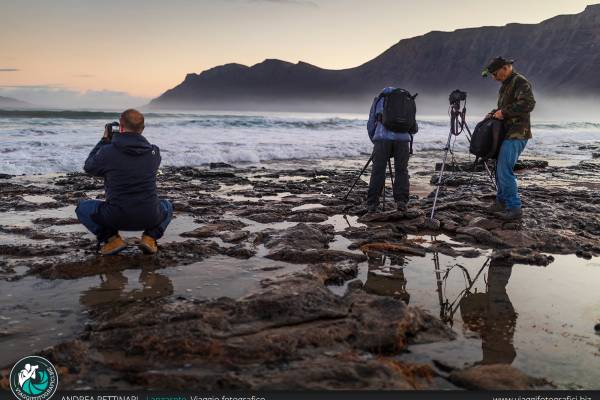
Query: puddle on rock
[(341, 222), (38, 199), (538, 319), (37, 313), (60, 308), (308, 206)]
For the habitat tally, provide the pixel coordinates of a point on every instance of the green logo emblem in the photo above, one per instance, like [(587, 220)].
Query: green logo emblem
[(33, 378)]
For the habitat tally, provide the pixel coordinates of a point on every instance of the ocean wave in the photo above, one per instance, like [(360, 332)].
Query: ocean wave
[(577, 125), (40, 142), (231, 122)]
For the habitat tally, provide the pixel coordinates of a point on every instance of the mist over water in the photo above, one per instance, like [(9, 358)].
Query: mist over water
[(49, 141)]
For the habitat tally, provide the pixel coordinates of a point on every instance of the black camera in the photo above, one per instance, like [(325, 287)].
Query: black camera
[(110, 129), (457, 96)]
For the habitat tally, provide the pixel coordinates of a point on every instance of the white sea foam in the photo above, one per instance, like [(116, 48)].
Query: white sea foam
[(46, 141)]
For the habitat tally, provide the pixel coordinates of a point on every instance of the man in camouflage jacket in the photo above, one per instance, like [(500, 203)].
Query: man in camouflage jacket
[(515, 103)]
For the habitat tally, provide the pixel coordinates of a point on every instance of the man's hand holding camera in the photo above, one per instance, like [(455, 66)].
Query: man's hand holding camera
[(106, 136), (109, 130)]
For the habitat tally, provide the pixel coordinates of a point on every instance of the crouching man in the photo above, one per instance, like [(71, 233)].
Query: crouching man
[(129, 164), (390, 127)]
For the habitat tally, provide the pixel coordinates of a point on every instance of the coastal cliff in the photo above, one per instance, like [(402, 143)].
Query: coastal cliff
[(559, 55)]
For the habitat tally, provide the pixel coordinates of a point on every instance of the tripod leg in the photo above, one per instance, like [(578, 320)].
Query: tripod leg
[(391, 180), (439, 182), (358, 177), (489, 173)]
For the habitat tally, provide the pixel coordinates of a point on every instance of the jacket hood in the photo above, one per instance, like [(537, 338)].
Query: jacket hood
[(131, 143)]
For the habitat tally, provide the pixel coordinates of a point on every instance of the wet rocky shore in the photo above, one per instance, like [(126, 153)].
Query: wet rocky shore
[(293, 312)]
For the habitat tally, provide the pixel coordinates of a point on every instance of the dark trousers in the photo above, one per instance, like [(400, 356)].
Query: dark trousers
[(87, 208), (382, 151)]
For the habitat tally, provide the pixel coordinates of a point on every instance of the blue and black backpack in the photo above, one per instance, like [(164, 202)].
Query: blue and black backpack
[(399, 111)]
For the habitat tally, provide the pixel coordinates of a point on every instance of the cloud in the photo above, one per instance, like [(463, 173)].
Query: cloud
[(59, 96), (33, 87), (9, 69)]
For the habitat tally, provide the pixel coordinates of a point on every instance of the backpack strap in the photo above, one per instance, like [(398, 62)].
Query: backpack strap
[(379, 116)]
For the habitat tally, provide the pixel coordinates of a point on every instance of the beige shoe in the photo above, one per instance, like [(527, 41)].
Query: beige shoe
[(113, 245), (148, 245)]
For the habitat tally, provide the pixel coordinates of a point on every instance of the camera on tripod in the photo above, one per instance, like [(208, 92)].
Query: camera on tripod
[(457, 96)]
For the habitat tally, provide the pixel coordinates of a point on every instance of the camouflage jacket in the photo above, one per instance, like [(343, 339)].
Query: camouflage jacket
[(516, 101)]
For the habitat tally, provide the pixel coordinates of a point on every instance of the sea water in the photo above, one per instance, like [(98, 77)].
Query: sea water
[(40, 142)]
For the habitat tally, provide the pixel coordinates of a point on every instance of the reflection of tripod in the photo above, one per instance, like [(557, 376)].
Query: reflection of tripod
[(363, 171), (447, 309), (457, 126)]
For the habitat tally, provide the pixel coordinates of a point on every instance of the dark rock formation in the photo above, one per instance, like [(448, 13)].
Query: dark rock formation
[(436, 62), (304, 243), (290, 326), (291, 334)]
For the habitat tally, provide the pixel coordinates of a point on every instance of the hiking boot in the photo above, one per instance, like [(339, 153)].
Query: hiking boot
[(148, 245), (400, 206), (496, 207), (510, 214), (113, 245)]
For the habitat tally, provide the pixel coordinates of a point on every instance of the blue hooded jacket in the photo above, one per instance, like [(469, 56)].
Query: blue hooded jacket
[(128, 164), (377, 131)]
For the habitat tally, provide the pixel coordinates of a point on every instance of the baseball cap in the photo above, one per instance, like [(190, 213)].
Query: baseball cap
[(495, 64)]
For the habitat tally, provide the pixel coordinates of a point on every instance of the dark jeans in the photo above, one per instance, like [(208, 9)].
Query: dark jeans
[(87, 208), (382, 151)]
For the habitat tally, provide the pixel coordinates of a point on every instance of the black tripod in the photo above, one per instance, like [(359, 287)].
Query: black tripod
[(457, 126), (363, 171)]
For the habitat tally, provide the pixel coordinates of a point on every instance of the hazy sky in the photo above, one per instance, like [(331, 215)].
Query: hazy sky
[(104, 48)]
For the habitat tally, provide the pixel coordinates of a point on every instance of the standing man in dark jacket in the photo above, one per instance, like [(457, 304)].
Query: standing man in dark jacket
[(387, 144), (129, 164), (515, 103)]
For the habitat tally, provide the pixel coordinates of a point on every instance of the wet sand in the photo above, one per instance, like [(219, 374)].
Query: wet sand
[(479, 291)]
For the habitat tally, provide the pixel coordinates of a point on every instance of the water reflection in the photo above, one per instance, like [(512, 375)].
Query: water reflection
[(492, 316), (481, 300), (111, 289), (386, 277)]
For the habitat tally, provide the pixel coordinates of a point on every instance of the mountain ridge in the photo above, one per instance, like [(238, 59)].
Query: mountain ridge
[(11, 102), (561, 53)]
